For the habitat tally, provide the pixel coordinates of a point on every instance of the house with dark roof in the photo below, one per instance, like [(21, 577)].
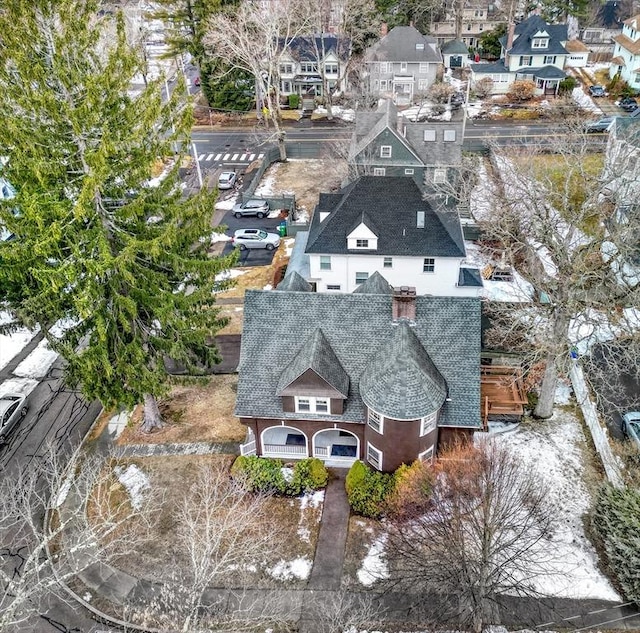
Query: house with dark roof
[(312, 64), (380, 375), (532, 50), (386, 144), (626, 53), (402, 64), (385, 225)]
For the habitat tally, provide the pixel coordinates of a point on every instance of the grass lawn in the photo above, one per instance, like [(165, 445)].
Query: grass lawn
[(362, 534)]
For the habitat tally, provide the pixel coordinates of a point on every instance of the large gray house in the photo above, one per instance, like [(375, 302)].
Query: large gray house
[(402, 64)]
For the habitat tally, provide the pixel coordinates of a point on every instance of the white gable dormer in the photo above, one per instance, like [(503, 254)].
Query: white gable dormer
[(362, 238), (540, 40)]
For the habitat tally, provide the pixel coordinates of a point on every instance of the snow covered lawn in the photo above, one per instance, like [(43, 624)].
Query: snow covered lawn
[(12, 344)]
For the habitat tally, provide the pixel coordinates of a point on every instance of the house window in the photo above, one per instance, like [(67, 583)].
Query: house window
[(420, 219), (385, 151), (450, 135), (374, 420), (637, 79), (423, 69), (428, 423), (426, 456), (403, 67), (384, 68), (325, 262), (429, 135), (419, 46), (308, 67), (439, 176), (423, 84), (361, 278), (549, 59), (383, 84), (286, 86), (387, 262), (539, 42), (429, 265), (525, 60), (408, 172), (379, 171), (374, 456), (362, 243), (333, 286), (286, 69), (331, 69), (310, 404)]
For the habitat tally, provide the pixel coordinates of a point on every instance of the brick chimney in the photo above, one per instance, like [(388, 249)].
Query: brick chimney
[(404, 303), (384, 29), (510, 34)]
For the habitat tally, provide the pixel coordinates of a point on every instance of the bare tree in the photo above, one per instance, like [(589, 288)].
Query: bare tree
[(255, 38), (471, 531), (345, 611), (553, 220), (54, 518), (222, 531)]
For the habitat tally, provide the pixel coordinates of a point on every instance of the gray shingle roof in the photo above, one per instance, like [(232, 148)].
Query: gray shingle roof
[(392, 204), (455, 47), (544, 72), (401, 381), (312, 48), (399, 45), (376, 284), (315, 354), (468, 277), (356, 327), (529, 27), (294, 282)]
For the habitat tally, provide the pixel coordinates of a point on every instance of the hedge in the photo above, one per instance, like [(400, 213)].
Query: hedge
[(269, 475), (368, 489), (616, 518)]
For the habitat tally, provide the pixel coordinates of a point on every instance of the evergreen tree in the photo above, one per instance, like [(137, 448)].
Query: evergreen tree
[(124, 262)]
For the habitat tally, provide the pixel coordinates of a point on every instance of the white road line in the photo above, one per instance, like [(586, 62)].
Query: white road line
[(201, 157), (218, 157), (243, 157), (226, 157), (209, 157), (260, 155), (235, 157), (252, 156)]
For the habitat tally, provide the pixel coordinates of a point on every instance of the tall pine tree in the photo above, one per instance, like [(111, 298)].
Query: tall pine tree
[(124, 262)]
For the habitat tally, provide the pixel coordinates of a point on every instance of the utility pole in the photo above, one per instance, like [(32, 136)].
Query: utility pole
[(195, 158)]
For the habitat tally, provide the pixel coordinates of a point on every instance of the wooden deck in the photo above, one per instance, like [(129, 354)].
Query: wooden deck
[(501, 391)]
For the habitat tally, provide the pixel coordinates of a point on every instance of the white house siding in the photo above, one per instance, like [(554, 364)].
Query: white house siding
[(537, 61), (626, 70), (577, 60), (405, 271)]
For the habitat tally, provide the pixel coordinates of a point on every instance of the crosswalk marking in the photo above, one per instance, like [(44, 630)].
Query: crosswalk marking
[(235, 157), (252, 156), (218, 157), (226, 157), (209, 157), (201, 157), (243, 157), (229, 157)]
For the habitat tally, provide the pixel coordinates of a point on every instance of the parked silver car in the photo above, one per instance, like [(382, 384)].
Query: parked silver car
[(12, 409), (631, 426), (259, 208), (255, 238), (227, 180)]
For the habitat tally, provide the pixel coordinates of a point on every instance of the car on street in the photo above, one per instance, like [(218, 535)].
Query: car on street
[(601, 125), (255, 238), (631, 426), (597, 91), (227, 180), (628, 104), (12, 409), (457, 99), (259, 208)]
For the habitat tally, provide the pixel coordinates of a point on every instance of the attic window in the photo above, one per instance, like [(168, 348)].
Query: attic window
[(449, 135), (420, 219), (385, 151), (540, 42), (419, 47), (429, 135)]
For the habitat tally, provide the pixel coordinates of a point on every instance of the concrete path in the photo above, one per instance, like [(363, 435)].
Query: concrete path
[(326, 573)]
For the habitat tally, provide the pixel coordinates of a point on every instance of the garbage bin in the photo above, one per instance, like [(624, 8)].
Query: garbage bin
[(282, 229)]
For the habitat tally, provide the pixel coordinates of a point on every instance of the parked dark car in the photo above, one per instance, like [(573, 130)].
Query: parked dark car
[(628, 104), (597, 91), (601, 125), (457, 99)]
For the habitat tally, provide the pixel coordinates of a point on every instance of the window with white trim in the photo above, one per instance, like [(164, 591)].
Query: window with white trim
[(311, 404), (361, 278), (549, 59), (403, 67), (325, 262), (383, 84), (374, 456), (408, 172), (379, 171), (439, 176), (286, 69), (426, 456), (420, 217), (362, 243), (526, 60), (331, 69), (385, 151), (449, 136), (308, 67), (423, 68), (539, 42), (428, 423), (423, 84), (429, 265), (387, 262), (429, 135), (333, 286), (375, 421)]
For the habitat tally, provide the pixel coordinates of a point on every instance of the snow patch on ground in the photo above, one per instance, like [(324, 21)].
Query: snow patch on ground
[(298, 568), (288, 245), (374, 566), (38, 363), (228, 204), (312, 500), (12, 344), (346, 114), (18, 386), (118, 423), (219, 237), (232, 273), (584, 101), (268, 181), (135, 483)]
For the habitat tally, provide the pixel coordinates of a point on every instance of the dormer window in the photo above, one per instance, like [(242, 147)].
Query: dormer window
[(311, 404), (419, 47), (362, 243), (540, 42), (385, 151)]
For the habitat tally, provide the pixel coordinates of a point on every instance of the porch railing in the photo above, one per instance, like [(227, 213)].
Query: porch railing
[(284, 449), (248, 449), (321, 451)]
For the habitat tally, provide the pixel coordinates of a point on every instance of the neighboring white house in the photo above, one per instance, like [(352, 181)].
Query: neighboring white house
[(384, 225), (532, 50), (578, 54), (402, 64), (626, 53)]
